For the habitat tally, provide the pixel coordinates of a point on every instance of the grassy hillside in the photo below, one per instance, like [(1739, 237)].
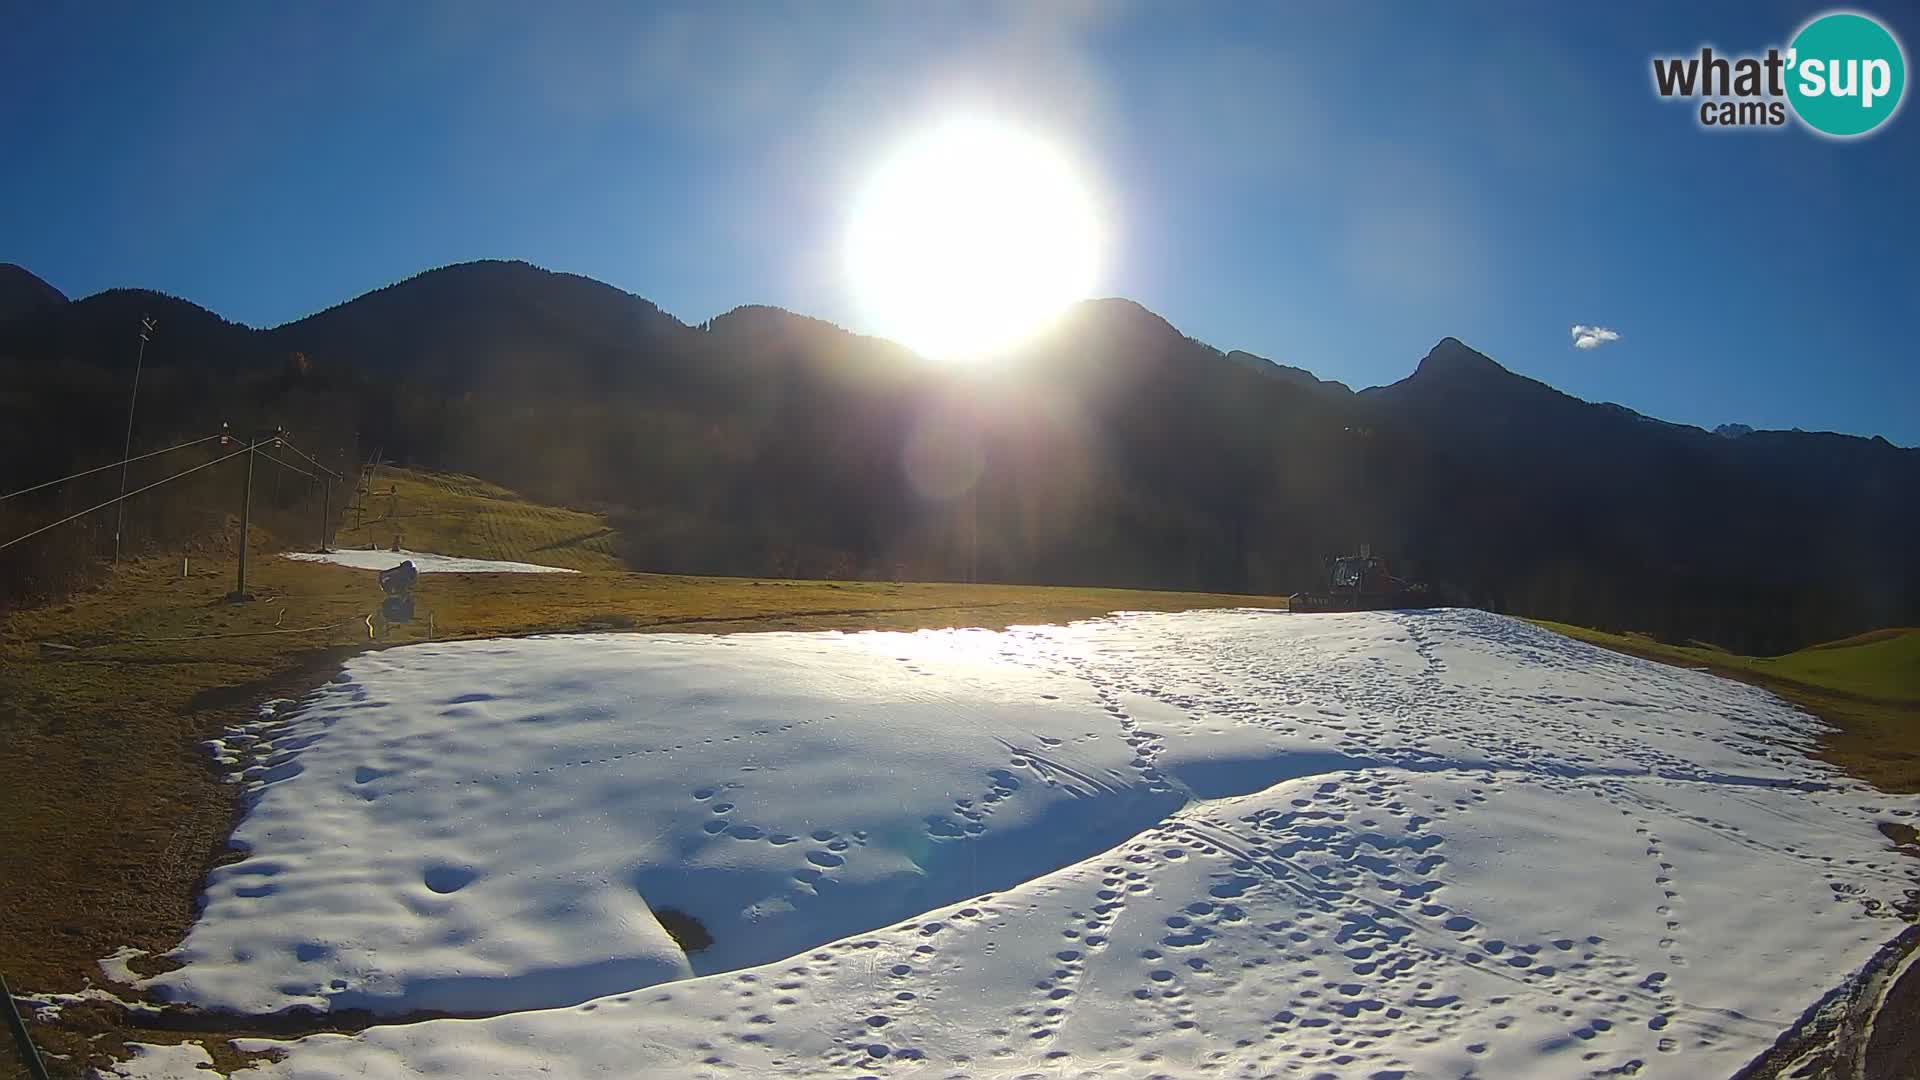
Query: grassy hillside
[(460, 515), (1866, 686), (1880, 664), (116, 812), (1883, 665)]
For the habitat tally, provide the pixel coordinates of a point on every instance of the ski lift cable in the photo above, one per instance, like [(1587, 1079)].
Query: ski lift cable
[(284, 465), (109, 465), (117, 498), (288, 443)]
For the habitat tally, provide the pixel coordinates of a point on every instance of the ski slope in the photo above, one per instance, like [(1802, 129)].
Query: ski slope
[(1222, 843), (426, 562)]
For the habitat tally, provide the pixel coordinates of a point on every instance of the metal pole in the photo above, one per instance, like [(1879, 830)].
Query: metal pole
[(246, 513), (126, 451), (28, 1055), (973, 534), (326, 512)]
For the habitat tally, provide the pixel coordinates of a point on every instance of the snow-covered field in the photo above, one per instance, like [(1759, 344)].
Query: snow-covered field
[(426, 562), (1227, 843)]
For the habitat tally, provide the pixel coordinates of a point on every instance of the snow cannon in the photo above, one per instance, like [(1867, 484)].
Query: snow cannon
[(399, 580), (397, 584)]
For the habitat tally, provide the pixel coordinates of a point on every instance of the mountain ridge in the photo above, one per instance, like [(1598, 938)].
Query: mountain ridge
[(22, 291), (1112, 449), (1449, 356)]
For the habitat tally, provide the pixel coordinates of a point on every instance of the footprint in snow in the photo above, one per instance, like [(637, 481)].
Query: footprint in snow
[(449, 879)]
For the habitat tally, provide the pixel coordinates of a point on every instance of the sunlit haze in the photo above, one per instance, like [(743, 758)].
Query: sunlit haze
[(1277, 178), (781, 540), (970, 236)]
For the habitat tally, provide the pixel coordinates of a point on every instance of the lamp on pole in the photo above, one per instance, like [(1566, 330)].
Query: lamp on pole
[(126, 451)]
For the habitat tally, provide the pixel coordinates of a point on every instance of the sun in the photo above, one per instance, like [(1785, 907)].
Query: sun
[(969, 238)]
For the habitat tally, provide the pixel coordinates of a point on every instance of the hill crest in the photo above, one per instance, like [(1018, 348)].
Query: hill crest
[(22, 291)]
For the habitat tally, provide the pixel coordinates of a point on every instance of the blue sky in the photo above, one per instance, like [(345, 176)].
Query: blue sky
[(1333, 186)]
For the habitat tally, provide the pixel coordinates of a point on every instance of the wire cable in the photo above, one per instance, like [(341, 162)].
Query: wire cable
[(108, 465), (310, 459), (117, 498), (284, 465)]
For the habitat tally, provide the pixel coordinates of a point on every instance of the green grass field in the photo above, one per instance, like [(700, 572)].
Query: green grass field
[(1883, 665), (1867, 687)]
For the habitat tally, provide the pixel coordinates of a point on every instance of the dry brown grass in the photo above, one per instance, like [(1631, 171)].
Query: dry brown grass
[(452, 514)]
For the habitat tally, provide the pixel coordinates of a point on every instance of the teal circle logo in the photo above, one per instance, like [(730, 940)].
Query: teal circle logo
[(1846, 74)]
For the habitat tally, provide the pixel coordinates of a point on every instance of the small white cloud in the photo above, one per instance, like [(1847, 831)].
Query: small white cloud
[(1592, 337)]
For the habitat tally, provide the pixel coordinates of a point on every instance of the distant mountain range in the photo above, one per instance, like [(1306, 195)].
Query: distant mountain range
[(22, 293), (1112, 450)]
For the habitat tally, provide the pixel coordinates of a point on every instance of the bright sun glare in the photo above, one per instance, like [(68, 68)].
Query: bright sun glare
[(970, 237)]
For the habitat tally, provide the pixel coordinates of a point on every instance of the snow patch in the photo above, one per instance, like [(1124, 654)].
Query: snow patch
[(163, 1061), (47, 1007), (486, 826), (114, 965), (426, 562), (1373, 844)]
